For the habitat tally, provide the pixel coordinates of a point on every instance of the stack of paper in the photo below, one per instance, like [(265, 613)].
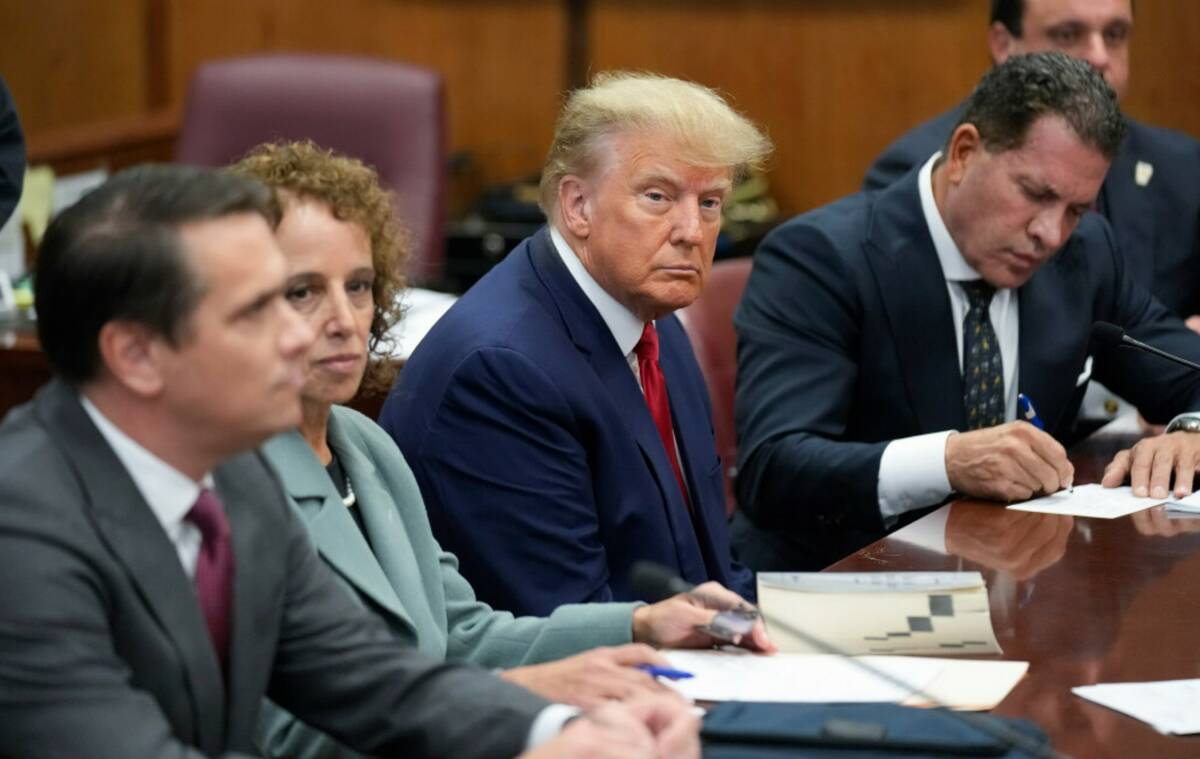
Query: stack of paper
[(1189, 505), (911, 613), (1171, 707), (736, 675)]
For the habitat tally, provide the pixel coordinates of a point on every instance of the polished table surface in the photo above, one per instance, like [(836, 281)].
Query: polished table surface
[(1083, 600)]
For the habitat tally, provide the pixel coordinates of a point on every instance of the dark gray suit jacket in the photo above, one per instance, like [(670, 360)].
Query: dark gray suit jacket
[(846, 342), (104, 651), (1157, 223)]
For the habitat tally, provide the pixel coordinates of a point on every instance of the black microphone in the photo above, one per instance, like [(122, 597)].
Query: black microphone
[(654, 581), (1112, 335)]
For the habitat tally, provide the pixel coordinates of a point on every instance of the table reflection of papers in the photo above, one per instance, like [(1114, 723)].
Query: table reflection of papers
[(736, 675), (1171, 707), (910, 613)]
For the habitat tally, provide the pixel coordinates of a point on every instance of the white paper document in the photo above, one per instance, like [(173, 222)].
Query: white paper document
[(1171, 707), (1089, 501), (736, 675), (1188, 505)]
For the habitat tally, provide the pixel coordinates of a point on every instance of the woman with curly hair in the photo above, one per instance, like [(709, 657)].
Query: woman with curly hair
[(349, 482)]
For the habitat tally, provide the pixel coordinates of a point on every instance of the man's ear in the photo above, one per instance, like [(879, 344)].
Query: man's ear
[(574, 205), (1001, 43), (132, 354), (965, 145)]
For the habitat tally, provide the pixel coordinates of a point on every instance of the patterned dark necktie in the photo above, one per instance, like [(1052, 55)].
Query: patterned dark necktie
[(654, 387), (983, 369), (214, 570)]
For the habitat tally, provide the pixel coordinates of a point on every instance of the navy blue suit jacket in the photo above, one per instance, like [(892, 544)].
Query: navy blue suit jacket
[(846, 342), (536, 454), (1157, 225)]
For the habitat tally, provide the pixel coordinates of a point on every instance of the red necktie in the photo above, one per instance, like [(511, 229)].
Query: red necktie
[(654, 387), (214, 569)]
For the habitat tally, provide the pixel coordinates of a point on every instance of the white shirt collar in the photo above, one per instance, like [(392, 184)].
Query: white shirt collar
[(625, 326), (954, 267), (169, 492)]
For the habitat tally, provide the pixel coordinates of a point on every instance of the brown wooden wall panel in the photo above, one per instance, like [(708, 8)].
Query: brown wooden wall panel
[(72, 62), (833, 80), (503, 62), (1164, 88)]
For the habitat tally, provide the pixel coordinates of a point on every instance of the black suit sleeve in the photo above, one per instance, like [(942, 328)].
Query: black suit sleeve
[(798, 346), (1159, 388)]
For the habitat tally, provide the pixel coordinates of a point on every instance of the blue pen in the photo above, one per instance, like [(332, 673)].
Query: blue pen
[(667, 672), (1028, 412)]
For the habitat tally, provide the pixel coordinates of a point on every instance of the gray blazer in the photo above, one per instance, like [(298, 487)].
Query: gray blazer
[(404, 576), (104, 651)]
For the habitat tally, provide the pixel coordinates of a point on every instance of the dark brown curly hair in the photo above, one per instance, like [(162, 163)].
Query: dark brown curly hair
[(352, 192)]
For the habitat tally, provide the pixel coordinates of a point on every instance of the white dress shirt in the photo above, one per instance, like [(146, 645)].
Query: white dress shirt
[(626, 327), (912, 471), (168, 492)]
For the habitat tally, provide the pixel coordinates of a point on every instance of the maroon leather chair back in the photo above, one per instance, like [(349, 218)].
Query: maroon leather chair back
[(709, 324), (389, 115)]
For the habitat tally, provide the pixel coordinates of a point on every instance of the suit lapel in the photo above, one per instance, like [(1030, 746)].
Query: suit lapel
[(332, 528), (593, 338), (694, 434), (912, 288), (256, 587), (1130, 210), (136, 538), (1048, 360)]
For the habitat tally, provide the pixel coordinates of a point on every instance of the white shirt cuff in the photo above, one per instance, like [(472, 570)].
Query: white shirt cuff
[(549, 723), (912, 474)]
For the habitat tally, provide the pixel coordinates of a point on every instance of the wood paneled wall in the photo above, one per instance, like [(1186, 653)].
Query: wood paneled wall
[(832, 80)]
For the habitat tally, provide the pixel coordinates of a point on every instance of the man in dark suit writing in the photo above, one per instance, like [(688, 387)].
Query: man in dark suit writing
[(153, 581), (1151, 193), (883, 339)]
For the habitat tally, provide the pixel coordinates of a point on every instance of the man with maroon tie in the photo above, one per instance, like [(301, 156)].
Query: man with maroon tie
[(154, 582), (555, 418)]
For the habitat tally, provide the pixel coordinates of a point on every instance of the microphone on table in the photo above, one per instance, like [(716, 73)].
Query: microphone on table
[(654, 581), (1108, 334)]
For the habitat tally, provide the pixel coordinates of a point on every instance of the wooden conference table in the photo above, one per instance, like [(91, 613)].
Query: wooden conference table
[(1082, 600)]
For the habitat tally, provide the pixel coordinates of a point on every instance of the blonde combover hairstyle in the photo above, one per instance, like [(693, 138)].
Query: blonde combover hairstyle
[(706, 130), (352, 192)]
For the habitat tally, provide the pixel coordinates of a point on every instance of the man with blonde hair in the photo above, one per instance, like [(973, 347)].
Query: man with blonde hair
[(555, 418)]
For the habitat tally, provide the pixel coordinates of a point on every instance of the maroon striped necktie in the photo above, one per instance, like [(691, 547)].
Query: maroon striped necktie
[(214, 570), (654, 387)]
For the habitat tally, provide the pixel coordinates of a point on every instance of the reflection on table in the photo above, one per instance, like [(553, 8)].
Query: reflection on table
[(1083, 600)]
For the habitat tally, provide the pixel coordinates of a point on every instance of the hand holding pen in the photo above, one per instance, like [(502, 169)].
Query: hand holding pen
[(1009, 462)]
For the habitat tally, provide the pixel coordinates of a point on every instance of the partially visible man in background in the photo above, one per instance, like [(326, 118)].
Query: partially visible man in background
[(1151, 194)]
